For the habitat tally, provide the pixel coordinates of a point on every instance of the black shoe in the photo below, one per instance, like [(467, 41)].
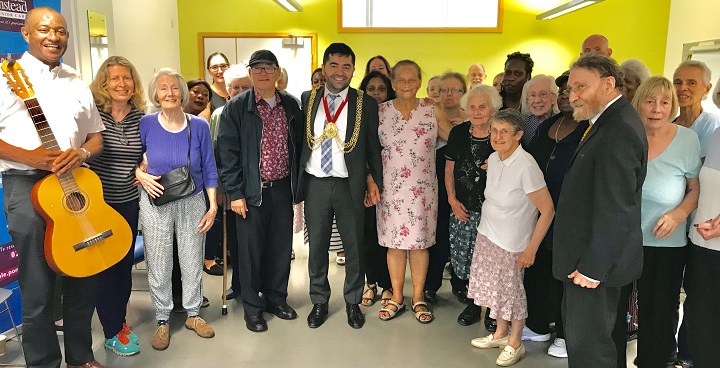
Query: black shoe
[(255, 323), (231, 294), (205, 303), (462, 296), (317, 315), (490, 324), (282, 311), (215, 270), (355, 317), (430, 296), (178, 307), (470, 315)]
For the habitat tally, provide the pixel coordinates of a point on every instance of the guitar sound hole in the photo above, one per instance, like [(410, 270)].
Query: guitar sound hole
[(75, 201)]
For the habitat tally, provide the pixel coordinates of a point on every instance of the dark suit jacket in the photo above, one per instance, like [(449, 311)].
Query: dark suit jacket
[(364, 159), (597, 222)]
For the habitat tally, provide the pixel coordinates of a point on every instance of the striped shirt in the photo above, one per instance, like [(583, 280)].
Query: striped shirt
[(120, 156)]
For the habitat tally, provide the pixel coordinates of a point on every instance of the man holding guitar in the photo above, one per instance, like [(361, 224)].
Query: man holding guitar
[(71, 114)]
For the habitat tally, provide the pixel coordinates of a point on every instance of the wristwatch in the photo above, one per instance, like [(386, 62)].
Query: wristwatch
[(87, 153)]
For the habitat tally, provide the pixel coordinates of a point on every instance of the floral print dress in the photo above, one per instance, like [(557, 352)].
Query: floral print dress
[(407, 211)]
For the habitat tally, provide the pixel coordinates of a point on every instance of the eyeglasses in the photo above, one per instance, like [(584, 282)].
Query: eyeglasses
[(542, 95), (578, 89), (451, 90), (267, 69), (502, 132), (219, 66)]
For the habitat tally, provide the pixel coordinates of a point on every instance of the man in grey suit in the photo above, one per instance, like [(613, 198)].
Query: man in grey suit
[(598, 241), (340, 148)]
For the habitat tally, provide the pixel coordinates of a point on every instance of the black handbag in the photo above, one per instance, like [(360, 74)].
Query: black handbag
[(178, 183)]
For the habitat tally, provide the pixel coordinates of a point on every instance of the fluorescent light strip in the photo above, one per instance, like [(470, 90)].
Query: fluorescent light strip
[(289, 5), (566, 8)]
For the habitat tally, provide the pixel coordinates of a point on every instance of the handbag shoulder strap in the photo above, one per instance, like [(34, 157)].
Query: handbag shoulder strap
[(188, 130)]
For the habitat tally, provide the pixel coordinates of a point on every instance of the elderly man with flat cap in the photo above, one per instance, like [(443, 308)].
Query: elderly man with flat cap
[(257, 154), (70, 111)]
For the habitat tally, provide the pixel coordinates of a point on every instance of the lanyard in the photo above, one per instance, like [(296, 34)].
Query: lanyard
[(333, 119)]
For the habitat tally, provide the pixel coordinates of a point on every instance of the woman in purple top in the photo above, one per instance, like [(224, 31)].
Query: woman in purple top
[(167, 137)]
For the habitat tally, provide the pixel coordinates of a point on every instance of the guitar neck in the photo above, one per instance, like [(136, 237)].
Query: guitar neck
[(41, 125), (67, 181)]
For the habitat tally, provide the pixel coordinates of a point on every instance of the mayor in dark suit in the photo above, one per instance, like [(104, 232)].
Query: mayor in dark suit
[(340, 148), (597, 246)]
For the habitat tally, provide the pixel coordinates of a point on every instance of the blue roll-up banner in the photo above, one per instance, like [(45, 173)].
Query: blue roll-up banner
[(12, 18)]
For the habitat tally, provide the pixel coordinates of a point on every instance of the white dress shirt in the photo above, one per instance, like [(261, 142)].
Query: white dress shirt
[(65, 100), (339, 169)]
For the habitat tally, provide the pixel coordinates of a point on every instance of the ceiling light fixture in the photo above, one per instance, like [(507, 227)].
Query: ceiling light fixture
[(289, 5), (564, 9)]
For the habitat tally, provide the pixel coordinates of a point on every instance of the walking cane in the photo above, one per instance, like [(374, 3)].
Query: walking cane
[(224, 283)]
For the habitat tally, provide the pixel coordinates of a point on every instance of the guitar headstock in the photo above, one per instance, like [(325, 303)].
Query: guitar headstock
[(17, 79)]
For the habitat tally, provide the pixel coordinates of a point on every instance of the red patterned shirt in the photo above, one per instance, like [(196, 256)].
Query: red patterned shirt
[(274, 156)]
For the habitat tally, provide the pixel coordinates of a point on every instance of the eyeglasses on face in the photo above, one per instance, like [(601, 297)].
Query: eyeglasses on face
[(219, 67), (542, 95), (502, 132), (451, 90), (267, 69)]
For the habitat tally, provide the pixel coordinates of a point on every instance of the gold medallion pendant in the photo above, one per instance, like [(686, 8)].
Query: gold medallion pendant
[(331, 131)]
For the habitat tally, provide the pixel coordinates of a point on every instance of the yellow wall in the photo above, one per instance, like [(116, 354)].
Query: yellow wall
[(636, 29)]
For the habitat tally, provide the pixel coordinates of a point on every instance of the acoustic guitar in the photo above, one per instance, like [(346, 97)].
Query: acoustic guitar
[(83, 236)]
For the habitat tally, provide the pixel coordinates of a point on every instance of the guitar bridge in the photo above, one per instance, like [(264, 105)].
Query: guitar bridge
[(93, 240)]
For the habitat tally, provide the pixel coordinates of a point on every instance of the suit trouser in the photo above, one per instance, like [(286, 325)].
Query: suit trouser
[(440, 252), (264, 249), (116, 282), (37, 284), (325, 197), (589, 318), (544, 295), (658, 293), (702, 277), (160, 225), (376, 255)]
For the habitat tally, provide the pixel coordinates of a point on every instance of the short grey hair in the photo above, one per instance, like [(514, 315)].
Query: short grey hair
[(510, 116), (152, 90), (716, 93), (707, 73), (524, 107), (636, 68), (604, 66), (233, 73), (483, 90)]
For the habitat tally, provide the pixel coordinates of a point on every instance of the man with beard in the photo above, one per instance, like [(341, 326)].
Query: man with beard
[(597, 246), (518, 70), (476, 75), (339, 148)]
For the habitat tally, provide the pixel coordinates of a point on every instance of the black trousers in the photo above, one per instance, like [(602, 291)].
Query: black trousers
[(115, 283), (214, 239), (544, 295), (440, 252), (264, 248), (590, 322), (658, 293), (376, 269), (37, 284), (325, 198), (702, 277)]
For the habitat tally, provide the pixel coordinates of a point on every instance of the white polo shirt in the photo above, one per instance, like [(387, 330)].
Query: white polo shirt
[(66, 101), (339, 169), (508, 216)]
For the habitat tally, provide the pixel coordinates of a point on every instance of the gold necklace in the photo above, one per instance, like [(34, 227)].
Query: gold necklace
[(345, 147)]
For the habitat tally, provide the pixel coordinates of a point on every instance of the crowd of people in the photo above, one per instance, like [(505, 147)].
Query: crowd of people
[(552, 199)]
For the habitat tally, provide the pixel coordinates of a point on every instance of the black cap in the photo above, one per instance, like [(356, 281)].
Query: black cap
[(264, 57), (562, 79)]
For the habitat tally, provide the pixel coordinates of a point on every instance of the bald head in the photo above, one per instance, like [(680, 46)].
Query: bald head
[(476, 75), (596, 45), (46, 33)]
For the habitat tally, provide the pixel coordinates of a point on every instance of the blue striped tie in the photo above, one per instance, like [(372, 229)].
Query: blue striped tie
[(326, 146)]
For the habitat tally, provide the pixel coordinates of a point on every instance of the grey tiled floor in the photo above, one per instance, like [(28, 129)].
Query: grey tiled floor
[(402, 342)]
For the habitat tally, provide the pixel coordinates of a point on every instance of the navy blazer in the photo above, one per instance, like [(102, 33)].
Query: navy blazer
[(364, 159), (597, 222)]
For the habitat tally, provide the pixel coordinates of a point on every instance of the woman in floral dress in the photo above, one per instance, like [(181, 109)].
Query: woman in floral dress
[(407, 211)]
